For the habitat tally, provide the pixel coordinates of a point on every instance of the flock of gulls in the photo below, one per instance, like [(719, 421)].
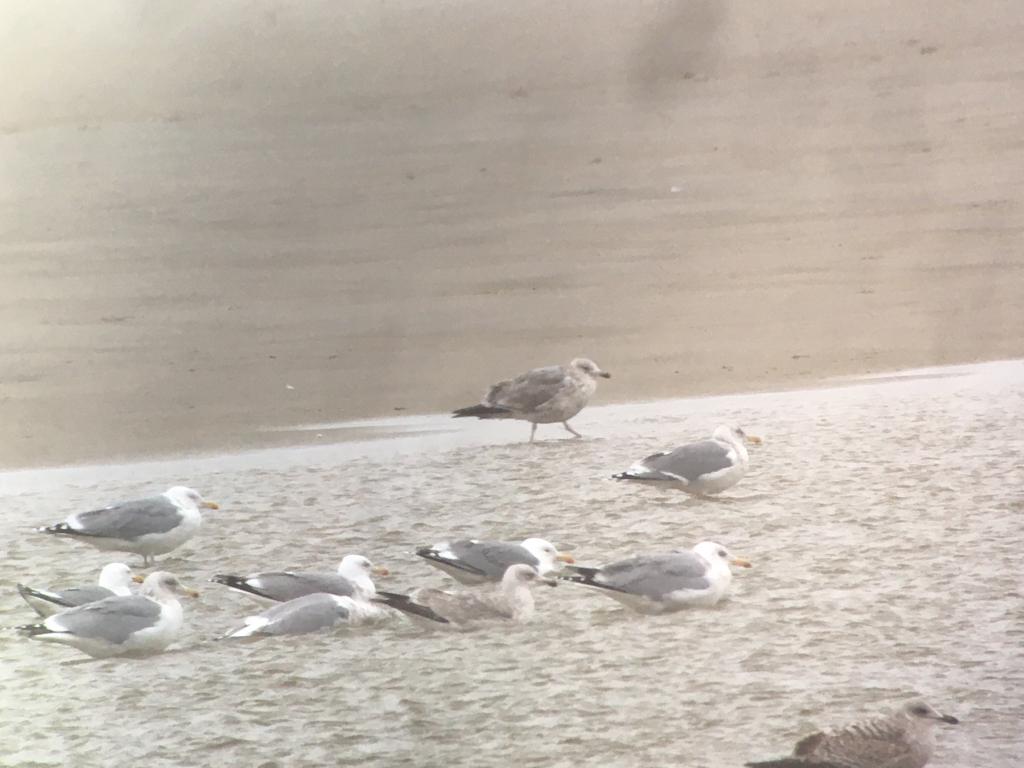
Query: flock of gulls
[(125, 614)]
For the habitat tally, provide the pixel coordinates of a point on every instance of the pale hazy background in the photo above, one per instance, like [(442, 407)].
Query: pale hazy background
[(392, 205)]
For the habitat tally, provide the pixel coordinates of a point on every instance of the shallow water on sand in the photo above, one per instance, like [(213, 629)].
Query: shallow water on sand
[(882, 516)]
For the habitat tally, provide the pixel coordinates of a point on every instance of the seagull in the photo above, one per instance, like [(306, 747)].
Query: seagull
[(472, 561), (510, 600), (902, 739), (309, 613), (134, 625), (701, 468), (352, 579), (664, 583), (115, 580), (541, 395), (147, 527)]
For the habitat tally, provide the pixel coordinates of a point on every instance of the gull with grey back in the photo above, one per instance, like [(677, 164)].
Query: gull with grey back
[(353, 579), (148, 527), (115, 580), (904, 738), (701, 468), (477, 561), (134, 625), (664, 583), (547, 395)]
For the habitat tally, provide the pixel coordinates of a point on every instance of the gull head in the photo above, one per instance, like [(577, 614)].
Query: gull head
[(184, 496), (359, 570), (161, 585), (115, 576), (521, 573), (589, 367), (731, 433), (550, 558), (718, 556), (919, 710)]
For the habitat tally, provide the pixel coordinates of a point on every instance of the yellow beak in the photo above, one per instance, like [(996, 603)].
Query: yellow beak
[(380, 570), (138, 578), (741, 562), (565, 557), (190, 592), (211, 505), (754, 440)]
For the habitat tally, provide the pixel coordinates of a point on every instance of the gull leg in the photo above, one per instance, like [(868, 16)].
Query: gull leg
[(533, 430), (566, 425)]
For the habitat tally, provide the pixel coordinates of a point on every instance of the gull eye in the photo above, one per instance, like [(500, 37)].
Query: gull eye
[(722, 553)]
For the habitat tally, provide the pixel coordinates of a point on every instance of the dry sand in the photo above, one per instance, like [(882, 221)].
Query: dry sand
[(390, 207)]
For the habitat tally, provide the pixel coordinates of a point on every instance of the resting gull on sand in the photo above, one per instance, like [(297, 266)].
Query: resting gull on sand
[(116, 626), (701, 468), (115, 579), (352, 579), (310, 613), (511, 600), (541, 396), (147, 527), (473, 561), (664, 583), (902, 739)]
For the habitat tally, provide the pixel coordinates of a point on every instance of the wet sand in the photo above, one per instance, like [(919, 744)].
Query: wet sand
[(882, 518), (388, 209)]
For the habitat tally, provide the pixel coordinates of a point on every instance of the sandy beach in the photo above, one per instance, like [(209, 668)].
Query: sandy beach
[(219, 220)]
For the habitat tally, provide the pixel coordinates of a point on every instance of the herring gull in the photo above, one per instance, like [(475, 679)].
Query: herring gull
[(701, 468), (309, 613), (147, 527), (473, 561), (541, 396), (664, 583), (902, 739), (124, 625), (352, 579), (510, 600), (115, 580)]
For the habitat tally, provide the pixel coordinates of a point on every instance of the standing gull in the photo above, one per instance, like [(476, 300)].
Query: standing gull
[(902, 739), (115, 580), (541, 396), (147, 527), (511, 600), (352, 579), (472, 561), (664, 583), (116, 626), (701, 468)]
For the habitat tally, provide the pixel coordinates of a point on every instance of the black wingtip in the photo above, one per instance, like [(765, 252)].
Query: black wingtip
[(56, 528), (237, 582), (432, 556), (406, 604)]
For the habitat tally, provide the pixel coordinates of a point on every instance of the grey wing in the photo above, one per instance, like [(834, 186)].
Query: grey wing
[(530, 390), (288, 585), (491, 558), (655, 576), (114, 619), (83, 595), (308, 613), (129, 520), (689, 462)]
